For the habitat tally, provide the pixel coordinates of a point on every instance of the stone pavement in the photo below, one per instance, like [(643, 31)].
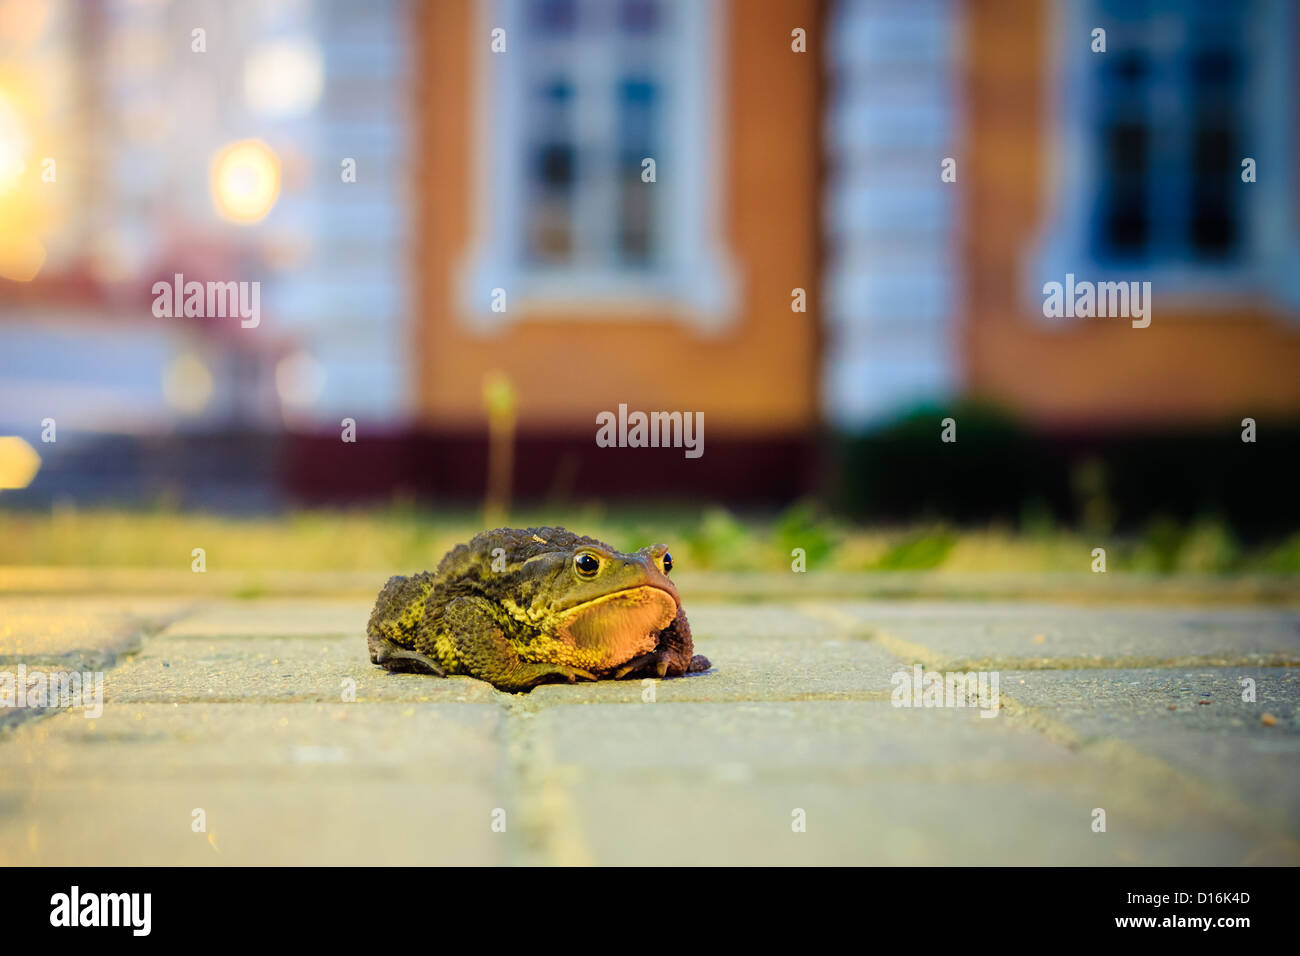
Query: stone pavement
[(241, 711)]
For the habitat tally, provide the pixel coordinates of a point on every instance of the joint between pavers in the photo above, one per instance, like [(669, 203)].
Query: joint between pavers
[(546, 811)]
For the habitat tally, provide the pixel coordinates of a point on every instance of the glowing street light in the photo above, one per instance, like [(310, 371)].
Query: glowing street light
[(245, 181)]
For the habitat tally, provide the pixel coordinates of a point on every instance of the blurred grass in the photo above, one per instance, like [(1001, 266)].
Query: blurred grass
[(403, 539)]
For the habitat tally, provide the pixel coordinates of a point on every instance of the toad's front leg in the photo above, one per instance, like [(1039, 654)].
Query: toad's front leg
[(673, 654)]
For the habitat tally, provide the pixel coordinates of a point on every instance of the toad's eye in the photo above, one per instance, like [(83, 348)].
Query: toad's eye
[(586, 564), (668, 562)]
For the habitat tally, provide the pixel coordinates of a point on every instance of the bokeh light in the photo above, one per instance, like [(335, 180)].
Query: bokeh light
[(187, 384), (21, 257), (15, 145), (284, 78), (21, 251), (299, 380), (245, 181), (18, 462)]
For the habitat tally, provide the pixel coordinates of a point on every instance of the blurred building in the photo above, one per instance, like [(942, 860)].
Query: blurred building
[(786, 215), (1129, 165)]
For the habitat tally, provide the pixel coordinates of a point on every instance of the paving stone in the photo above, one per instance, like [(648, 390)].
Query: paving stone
[(279, 617), (1001, 634), (710, 620), (1210, 733), (274, 668), (332, 822), (879, 784), (894, 823), (77, 633), (764, 652), (752, 669), (340, 784)]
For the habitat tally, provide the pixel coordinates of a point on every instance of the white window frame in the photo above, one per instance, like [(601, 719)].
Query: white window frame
[(1269, 267), (693, 279)]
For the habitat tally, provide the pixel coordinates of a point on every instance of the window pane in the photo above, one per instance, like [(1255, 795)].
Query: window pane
[(1217, 104), (639, 16), (552, 176), (638, 107), (554, 17), (1122, 210), (1125, 229)]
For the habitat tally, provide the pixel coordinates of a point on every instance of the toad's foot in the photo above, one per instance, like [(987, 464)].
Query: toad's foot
[(561, 674), (402, 660), (660, 663)]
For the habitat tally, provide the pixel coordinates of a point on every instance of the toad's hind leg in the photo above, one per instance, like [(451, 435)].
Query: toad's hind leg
[(484, 652), (392, 632), (402, 660)]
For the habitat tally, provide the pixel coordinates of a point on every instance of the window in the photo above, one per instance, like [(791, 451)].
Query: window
[(584, 94), (1171, 109), (588, 77), (1154, 132)]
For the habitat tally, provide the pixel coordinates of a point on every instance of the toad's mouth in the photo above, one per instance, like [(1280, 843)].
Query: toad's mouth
[(626, 619)]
